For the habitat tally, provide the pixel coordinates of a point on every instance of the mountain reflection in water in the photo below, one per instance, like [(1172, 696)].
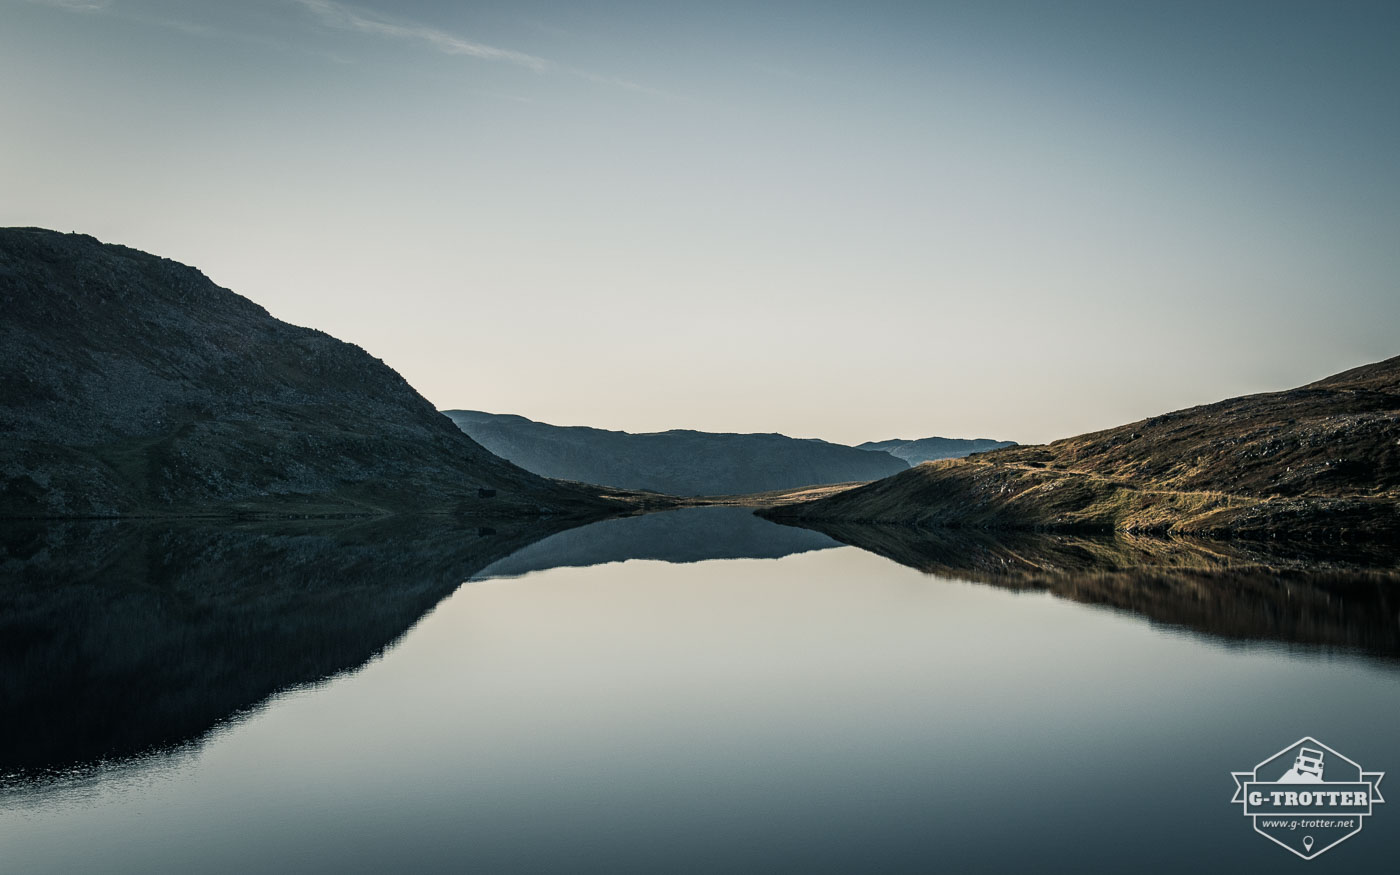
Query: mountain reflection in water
[(121, 639), (693, 535), (1333, 597)]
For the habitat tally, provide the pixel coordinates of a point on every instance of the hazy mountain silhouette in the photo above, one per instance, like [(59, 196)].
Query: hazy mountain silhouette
[(130, 384), (680, 462), (1321, 461), (933, 448)]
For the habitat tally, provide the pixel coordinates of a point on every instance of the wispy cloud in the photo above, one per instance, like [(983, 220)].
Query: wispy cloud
[(76, 5), (345, 17), (342, 16), (125, 12), (624, 84)]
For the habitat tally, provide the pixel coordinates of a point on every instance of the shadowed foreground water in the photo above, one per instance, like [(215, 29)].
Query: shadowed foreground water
[(327, 699)]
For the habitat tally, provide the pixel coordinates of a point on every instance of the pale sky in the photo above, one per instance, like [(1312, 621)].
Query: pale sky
[(852, 221)]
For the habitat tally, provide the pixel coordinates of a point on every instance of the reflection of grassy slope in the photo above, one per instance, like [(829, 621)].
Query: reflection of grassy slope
[(117, 638), (1322, 461), (1217, 588)]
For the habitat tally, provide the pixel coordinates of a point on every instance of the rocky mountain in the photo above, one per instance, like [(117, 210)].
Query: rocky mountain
[(931, 449), (1321, 461), (133, 385), (677, 462)]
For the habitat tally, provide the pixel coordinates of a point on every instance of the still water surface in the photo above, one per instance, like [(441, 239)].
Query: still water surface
[(821, 709)]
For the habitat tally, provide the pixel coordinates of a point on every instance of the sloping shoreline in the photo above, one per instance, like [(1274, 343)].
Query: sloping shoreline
[(1321, 463)]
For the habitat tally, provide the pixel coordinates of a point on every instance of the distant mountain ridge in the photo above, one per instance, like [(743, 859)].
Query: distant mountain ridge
[(931, 449), (1321, 461), (679, 462), (132, 384)]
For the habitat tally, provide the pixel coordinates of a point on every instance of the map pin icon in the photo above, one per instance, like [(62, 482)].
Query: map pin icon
[(1307, 843)]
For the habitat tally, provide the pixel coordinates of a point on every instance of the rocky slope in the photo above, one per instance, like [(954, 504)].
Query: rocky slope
[(677, 462), (1321, 461), (931, 449), (131, 384)]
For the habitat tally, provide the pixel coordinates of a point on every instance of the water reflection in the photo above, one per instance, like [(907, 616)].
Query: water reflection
[(828, 711), (692, 535), (120, 638), (1297, 594)]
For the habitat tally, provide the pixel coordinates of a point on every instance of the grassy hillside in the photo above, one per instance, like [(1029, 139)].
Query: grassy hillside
[(1321, 461), (132, 385)]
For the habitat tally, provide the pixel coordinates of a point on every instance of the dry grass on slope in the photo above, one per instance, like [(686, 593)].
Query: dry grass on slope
[(1320, 462)]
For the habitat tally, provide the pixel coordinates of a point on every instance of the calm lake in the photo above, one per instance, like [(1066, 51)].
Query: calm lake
[(696, 691)]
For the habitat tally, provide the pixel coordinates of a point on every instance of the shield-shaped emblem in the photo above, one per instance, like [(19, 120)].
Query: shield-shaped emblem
[(1308, 797)]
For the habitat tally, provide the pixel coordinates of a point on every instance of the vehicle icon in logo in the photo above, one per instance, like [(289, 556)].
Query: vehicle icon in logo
[(1307, 768)]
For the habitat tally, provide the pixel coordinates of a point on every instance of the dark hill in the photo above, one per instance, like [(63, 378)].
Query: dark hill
[(1321, 461), (131, 384), (934, 448), (677, 462)]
